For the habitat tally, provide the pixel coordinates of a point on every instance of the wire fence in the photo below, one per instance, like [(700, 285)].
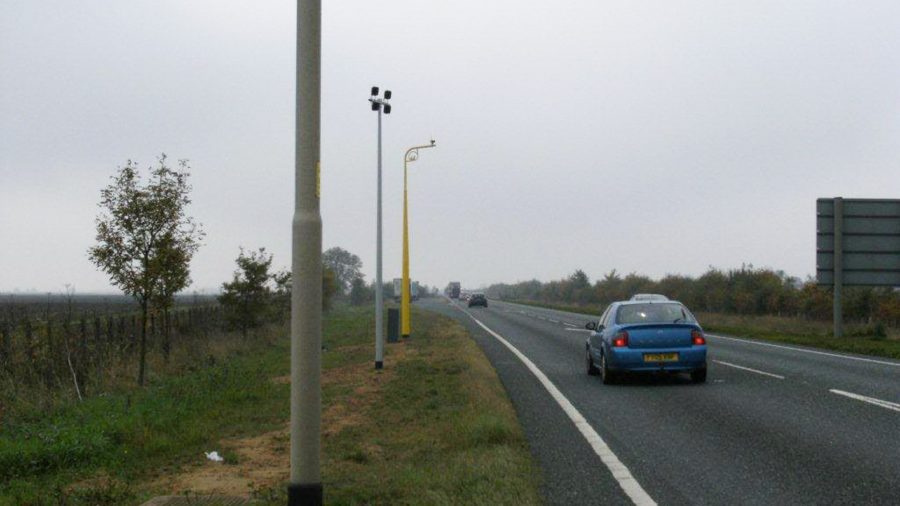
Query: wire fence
[(84, 346)]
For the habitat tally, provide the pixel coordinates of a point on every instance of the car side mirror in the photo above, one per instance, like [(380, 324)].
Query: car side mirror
[(591, 326)]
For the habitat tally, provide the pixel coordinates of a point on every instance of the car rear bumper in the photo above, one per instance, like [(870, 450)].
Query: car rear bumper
[(627, 359)]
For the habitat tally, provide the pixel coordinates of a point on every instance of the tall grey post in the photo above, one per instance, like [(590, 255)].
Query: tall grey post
[(838, 266), (305, 486), (379, 104), (379, 293)]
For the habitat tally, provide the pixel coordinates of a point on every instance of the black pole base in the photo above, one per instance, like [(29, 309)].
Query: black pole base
[(379, 364), (405, 336), (309, 494)]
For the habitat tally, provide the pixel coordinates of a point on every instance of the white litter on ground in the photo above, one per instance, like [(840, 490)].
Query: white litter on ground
[(214, 456)]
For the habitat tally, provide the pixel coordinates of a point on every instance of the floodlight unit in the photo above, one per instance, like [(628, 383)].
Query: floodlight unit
[(379, 104), (305, 484)]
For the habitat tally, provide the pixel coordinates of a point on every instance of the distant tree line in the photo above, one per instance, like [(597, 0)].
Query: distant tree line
[(745, 291)]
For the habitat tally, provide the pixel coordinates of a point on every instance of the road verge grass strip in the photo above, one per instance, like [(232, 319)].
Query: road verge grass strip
[(434, 427)]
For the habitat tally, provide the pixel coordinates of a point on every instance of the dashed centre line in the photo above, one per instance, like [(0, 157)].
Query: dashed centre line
[(815, 352), (871, 400), (757, 371)]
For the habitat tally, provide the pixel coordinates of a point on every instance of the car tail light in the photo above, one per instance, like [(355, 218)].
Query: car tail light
[(620, 340), (697, 337)]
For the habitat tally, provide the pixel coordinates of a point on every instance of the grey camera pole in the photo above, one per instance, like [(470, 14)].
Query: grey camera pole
[(379, 295), (379, 104), (305, 486)]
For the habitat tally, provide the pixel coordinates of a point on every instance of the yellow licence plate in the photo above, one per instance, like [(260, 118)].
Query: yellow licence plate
[(660, 357)]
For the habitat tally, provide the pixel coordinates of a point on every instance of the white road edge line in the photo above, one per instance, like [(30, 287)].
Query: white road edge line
[(882, 362), (757, 371), (622, 475), (871, 400)]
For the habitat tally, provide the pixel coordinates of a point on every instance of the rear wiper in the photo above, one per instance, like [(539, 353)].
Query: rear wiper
[(677, 320)]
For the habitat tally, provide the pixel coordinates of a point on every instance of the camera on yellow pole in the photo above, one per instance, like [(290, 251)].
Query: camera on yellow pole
[(412, 154)]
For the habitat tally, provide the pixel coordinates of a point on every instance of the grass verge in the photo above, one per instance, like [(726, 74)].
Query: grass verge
[(97, 451), (433, 427), (780, 329)]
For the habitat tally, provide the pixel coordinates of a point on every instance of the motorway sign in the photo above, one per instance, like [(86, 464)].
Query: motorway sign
[(860, 243), (857, 244)]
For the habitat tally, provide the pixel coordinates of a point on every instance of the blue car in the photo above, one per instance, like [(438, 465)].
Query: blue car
[(646, 336)]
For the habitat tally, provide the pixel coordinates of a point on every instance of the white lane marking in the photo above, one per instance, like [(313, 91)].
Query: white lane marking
[(569, 324), (882, 362), (757, 371), (622, 475), (576, 330), (871, 400), (552, 321)]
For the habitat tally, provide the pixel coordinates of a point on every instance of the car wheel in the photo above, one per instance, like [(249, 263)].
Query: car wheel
[(591, 368), (608, 376), (698, 375)]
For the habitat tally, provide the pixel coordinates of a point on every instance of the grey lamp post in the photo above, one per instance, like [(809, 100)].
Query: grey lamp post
[(305, 485), (379, 104)]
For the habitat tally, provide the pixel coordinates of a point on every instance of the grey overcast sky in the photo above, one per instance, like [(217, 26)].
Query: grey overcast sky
[(647, 136)]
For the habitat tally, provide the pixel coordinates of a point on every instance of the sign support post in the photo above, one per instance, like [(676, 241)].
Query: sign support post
[(838, 266)]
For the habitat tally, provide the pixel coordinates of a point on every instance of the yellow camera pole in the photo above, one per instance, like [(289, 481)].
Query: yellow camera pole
[(412, 154)]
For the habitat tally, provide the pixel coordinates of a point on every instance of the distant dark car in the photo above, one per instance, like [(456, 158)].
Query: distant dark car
[(478, 299)]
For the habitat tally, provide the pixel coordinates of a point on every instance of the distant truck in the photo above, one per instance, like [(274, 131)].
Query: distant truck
[(414, 290), (454, 290)]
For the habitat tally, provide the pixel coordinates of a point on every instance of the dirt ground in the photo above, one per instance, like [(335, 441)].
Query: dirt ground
[(263, 461)]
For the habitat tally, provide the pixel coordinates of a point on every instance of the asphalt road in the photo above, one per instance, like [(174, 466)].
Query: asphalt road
[(773, 425)]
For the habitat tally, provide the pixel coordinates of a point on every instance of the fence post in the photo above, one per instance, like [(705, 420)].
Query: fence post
[(109, 335), (49, 366), (133, 331), (29, 341), (5, 344), (98, 347), (83, 356), (123, 336), (165, 335), (151, 337)]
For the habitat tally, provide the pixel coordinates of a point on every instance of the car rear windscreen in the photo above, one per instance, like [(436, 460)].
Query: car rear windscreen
[(653, 313)]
